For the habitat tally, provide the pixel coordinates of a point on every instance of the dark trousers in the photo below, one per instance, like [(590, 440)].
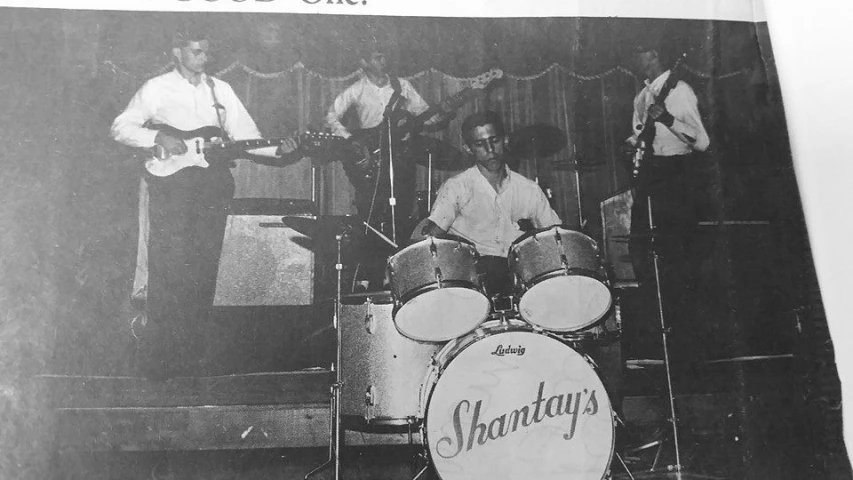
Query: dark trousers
[(675, 188), (187, 216)]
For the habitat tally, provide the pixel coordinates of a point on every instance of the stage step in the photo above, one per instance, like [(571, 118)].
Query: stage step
[(271, 410)]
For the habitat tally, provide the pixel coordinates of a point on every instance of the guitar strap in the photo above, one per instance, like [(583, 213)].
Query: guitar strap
[(395, 97), (668, 85), (218, 107)]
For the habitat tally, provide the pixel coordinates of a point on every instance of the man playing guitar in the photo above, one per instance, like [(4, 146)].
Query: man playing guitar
[(187, 205), (667, 141), (375, 97)]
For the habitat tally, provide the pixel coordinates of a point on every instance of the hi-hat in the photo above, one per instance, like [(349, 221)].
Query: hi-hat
[(539, 140)]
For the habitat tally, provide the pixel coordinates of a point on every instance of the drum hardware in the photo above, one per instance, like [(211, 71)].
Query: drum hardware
[(334, 459)]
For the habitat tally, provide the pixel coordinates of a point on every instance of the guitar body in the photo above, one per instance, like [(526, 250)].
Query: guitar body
[(198, 141)]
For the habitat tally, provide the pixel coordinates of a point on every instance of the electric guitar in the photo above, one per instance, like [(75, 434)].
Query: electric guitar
[(364, 160), (647, 133), (209, 145)]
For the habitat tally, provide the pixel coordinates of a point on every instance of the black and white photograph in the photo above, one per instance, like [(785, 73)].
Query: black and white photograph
[(316, 240)]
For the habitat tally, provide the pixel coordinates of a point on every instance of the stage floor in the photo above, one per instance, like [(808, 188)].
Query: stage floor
[(276, 426)]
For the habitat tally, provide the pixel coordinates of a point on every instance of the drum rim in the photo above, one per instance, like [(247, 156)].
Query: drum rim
[(421, 289), (532, 233), (433, 239), (600, 276), (524, 327)]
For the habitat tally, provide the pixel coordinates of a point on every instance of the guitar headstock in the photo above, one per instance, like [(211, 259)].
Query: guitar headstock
[(318, 141), (485, 80)]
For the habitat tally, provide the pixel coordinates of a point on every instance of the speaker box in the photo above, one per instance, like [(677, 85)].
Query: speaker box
[(263, 262)]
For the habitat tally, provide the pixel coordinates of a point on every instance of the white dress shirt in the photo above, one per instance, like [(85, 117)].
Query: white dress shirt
[(370, 102), (468, 206), (172, 100), (683, 106)]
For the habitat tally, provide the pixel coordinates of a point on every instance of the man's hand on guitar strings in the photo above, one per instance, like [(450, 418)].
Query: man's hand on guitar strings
[(173, 145), (660, 114)]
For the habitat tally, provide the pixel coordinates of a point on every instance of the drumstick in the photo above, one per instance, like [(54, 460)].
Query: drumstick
[(383, 237)]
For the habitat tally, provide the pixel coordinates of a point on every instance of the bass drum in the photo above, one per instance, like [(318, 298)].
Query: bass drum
[(508, 402)]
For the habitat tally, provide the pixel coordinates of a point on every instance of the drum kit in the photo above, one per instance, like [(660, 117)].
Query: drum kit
[(498, 385), (495, 392)]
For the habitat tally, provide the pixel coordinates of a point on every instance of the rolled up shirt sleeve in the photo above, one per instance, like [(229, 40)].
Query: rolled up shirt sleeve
[(684, 107), (446, 206)]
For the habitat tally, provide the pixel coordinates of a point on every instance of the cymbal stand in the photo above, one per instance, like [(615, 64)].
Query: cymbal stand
[(664, 335), (335, 403), (581, 221), (429, 182), (392, 200)]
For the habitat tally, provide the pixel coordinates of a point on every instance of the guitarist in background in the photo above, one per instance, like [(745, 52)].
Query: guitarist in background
[(667, 144), (187, 211), (374, 97)]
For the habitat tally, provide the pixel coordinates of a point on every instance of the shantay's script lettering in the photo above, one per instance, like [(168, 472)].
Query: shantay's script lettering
[(479, 433)]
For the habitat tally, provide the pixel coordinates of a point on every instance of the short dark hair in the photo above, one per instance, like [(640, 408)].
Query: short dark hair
[(664, 55), (479, 119), (183, 36)]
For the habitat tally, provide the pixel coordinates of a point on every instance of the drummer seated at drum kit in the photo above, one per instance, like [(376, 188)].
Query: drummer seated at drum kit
[(484, 203), (556, 272)]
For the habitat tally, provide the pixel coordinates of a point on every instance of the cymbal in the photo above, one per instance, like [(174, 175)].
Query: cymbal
[(539, 140), (444, 155), (642, 236)]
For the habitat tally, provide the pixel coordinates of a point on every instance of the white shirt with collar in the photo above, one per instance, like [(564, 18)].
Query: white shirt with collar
[(370, 101), (468, 206), (172, 100), (682, 104)]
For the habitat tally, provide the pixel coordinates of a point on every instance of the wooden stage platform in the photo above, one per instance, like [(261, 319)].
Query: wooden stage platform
[(254, 411)]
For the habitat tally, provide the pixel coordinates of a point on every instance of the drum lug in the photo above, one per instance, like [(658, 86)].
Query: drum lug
[(369, 323), (370, 396)]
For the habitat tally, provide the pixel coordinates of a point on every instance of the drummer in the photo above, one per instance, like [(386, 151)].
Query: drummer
[(485, 203)]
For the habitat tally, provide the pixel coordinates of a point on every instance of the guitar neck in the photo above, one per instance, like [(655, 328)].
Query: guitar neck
[(256, 143), (456, 101)]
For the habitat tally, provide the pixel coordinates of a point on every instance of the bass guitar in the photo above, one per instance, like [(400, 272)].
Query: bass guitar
[(209, 145), (363, 156)]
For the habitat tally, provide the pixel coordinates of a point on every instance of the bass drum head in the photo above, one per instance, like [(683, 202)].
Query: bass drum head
[(519, 405)]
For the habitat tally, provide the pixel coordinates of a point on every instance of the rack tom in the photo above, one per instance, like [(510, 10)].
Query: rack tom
[(561, 280), (437, 289)]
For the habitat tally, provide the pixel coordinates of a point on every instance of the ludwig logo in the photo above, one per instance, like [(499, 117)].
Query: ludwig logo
[(509, 350)]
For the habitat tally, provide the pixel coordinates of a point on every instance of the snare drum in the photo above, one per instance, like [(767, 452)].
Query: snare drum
[(437, 289), (381, 369), (508, 402), (561, 279)]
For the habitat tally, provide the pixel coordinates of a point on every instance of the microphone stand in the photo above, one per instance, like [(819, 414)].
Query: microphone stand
[(677, 468), (335, 401)]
